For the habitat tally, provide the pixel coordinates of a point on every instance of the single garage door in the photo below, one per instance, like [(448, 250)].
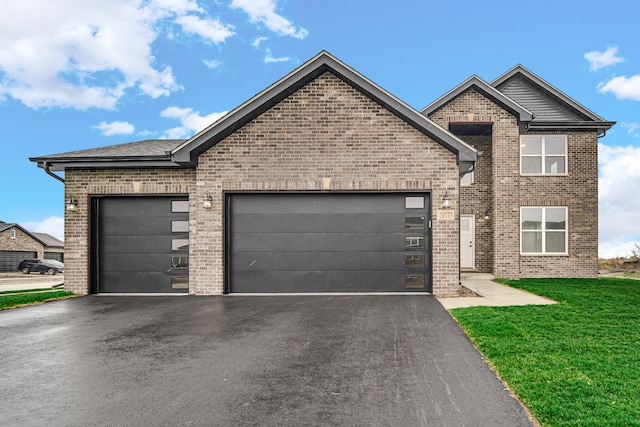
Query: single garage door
[(319, 242), (9, 260), (141, 244)]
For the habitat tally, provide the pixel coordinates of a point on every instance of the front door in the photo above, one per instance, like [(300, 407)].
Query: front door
[(467, 241)]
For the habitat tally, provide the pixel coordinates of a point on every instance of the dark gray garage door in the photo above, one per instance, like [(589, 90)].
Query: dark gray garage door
[(374, 242), (141, 244), (9, 260)]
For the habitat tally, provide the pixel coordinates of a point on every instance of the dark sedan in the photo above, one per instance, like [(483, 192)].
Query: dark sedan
[(42, 266)]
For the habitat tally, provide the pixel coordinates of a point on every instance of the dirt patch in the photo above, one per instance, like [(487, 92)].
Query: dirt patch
[(466, 292)]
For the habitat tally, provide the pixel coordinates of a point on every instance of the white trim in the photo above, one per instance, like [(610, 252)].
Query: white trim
[(544, 156), (544, 231)]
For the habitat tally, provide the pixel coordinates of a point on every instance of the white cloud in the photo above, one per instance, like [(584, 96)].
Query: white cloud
[(264, 11), (212, 63), (116, 128), (84, 54), (53, 225), (209, 29), (599, 60), (269, 59), (622, 87), (191, 121), (632, 128), (619, 210), (256, 42)]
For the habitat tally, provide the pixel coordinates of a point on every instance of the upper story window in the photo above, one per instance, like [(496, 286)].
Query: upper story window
[(12, 233), (543, 155), (543, 230)]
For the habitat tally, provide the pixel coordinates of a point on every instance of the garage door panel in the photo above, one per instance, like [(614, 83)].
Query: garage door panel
[(138, 282), (320, 242), (320, 281), (327, 242), (136, 262), (136, 244), (332, 261), (145, 207), (314, 223), (131, 225), (314, 204)]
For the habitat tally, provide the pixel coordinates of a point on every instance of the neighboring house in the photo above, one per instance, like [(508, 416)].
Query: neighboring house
[(325, 182), (17, 244)]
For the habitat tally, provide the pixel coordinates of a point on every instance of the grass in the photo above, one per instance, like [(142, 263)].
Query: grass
[(576, 363), (10, 299)]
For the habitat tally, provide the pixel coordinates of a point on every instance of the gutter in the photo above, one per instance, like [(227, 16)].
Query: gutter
[(46, 167)]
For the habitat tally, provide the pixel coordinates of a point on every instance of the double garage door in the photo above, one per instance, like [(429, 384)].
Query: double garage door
[(319, 242), (9, 260), (275, 242)]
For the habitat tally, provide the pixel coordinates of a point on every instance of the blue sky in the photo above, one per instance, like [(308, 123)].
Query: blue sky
[(78, 74)]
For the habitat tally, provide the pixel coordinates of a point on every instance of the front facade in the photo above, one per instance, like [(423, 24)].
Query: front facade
[(324, 182), (18, 244)]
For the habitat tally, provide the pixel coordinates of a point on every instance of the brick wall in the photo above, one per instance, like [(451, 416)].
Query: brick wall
[(324, 130), (327, 129), (83, 184), (22, 242), (578, 191), (477, 199)]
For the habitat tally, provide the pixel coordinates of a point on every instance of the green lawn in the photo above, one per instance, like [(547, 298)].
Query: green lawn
[(9, 299), (576, 363)]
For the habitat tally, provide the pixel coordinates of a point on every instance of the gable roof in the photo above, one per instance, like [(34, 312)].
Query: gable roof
[(187, 153), (552, 108), (536, 104), (487, 90), (48, 240), (45, 239), (184, 153)]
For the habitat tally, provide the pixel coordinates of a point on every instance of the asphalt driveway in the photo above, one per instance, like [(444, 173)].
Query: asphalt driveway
[(225, 361)]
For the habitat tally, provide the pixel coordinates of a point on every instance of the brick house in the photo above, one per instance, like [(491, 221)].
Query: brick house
[(17, 244), (325, 182)]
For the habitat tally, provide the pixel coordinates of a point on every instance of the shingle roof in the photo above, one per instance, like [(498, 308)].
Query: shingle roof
[(156, 151), (536, 103), (184, 153), (49, 240)]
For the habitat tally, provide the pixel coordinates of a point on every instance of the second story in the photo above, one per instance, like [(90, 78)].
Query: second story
[(531, 137)]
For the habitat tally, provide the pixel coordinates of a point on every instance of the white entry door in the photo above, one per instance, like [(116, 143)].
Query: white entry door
[(467, 241)]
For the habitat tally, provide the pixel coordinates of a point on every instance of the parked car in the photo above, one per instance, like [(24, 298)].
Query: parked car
[(42, 266)]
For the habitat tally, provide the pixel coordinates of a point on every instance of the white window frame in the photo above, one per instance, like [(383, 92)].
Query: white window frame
[(12, 233), (544, 155), (544, 230)]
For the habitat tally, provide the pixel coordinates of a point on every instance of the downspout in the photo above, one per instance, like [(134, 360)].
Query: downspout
[(46, 166)]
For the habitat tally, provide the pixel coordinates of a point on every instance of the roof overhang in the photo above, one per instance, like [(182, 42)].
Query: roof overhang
[(562, 98), (187, 153), (476, 83), (61, 164)]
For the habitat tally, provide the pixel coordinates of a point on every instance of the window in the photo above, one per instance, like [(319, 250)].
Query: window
[(12, 233), (413, 202), (543, 155), (543, 230)]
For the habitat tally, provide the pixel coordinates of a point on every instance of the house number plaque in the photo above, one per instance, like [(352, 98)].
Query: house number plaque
[(446, 214)]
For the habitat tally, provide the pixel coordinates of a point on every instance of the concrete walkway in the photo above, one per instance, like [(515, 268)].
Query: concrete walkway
[(491, 294)]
